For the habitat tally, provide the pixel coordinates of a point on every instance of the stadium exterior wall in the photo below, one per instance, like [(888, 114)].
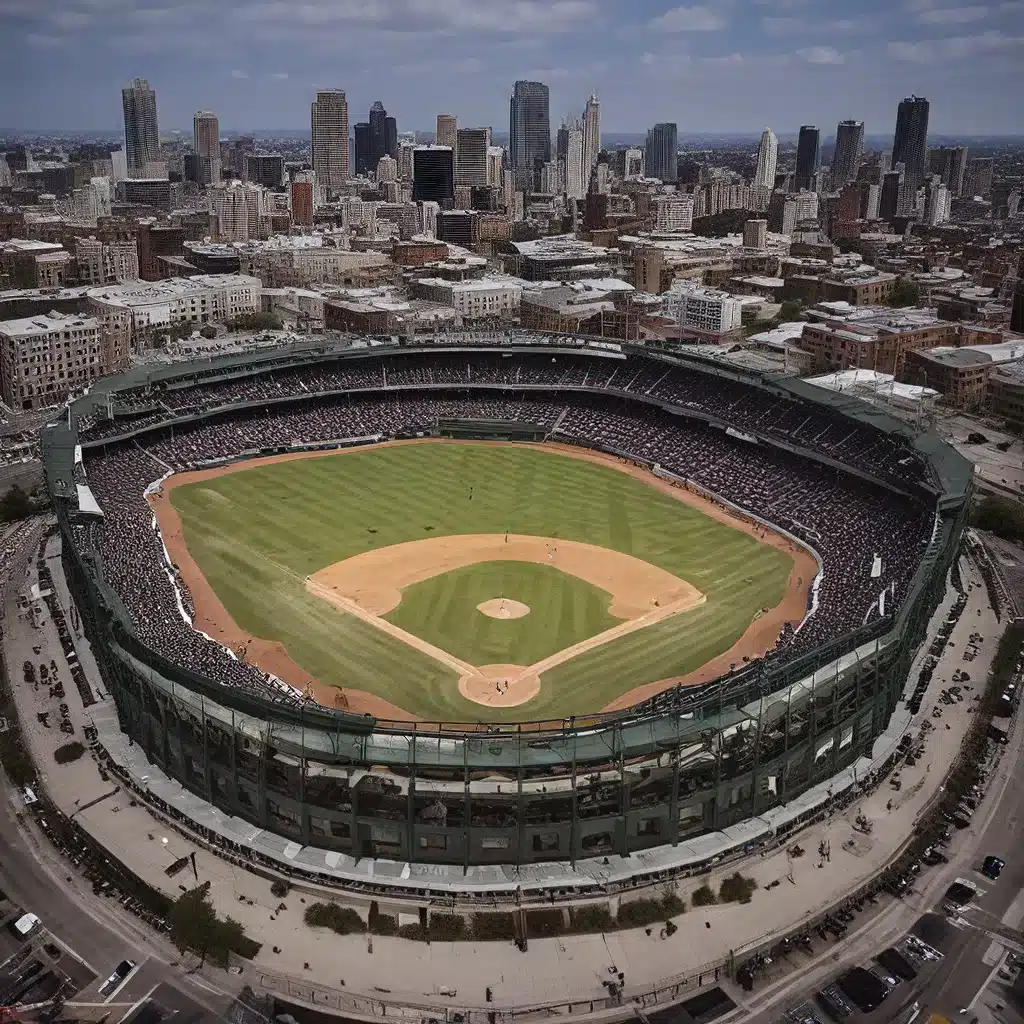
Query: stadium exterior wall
[(687, 762)]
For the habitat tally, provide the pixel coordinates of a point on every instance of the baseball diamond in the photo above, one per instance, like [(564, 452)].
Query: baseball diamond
[(692, 595)]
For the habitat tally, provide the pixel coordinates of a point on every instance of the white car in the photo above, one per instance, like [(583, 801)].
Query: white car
[(25, 925)]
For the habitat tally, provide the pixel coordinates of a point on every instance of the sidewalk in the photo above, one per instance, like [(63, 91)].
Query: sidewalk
[(552, 969)]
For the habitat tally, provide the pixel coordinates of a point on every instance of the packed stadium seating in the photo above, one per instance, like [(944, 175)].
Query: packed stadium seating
[(848, 522)]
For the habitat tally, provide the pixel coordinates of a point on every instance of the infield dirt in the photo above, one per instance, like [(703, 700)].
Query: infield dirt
[(212, 618)]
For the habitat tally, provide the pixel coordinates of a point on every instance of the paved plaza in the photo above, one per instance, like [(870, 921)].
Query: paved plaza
[(551, 969)]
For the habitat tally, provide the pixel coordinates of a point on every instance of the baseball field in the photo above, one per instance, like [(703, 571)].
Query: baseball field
[(475, 581)]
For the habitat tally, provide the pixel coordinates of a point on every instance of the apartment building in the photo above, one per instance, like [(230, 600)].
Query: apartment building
[(45, 357), (474, 300), (690, 304), (100, 262)]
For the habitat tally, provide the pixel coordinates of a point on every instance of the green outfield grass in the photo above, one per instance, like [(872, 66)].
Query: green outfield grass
[(564, 610), (257, 533)]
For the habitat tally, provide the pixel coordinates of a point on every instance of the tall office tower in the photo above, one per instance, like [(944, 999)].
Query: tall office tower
[(767, 159), (755, 233), (387, 169), (950, 163), (378, 133), (978, 179), (206, 140), (661, 154), (808, 156), (576, 175), (302, 202), (529, 132), (471, 156), (266, 169), (447, 127), (849, 149), (591, 137), (910, 143), (889, 196), (330, 139), (361, 155), (390, 137), (433, 175), (495, 165), (141, 131)]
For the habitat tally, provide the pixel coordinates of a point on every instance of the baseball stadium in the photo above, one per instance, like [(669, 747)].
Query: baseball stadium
[(428, 611)]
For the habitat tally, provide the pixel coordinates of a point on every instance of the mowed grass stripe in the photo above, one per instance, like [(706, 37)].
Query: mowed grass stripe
[(564, 610), (308, 514)]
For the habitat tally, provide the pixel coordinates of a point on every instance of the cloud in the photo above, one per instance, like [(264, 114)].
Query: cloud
[(239, 74), (924, 51), (820, 55), (689, 19), (954, 15), (43, 41), (788, 26), (279, 76)]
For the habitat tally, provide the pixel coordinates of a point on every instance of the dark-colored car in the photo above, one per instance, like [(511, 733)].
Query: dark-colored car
[(863, 989), (836, 1005), (993, 867), (896, 963), (959, 895)]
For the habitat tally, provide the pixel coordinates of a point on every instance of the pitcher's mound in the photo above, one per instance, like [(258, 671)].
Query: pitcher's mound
[(503, 608)]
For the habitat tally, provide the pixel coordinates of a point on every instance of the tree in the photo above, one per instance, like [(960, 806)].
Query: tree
[(255, 322), (997, 515), (905, 293), (788, 312), (15, 504), (196, 928)]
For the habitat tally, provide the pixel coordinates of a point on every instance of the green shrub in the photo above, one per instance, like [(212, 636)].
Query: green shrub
[(384, 924), (69, 752), (736, 889), (412, 931), (704, 897), (638, 913), (493, 927), (343, 920), (279, 888), (591, 919), (446, 927), (544, 923)]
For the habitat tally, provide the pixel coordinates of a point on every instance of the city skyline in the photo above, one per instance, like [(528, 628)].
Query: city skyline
[(727, 65)]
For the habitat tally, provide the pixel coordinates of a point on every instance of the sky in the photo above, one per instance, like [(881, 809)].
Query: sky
[(715, 65)]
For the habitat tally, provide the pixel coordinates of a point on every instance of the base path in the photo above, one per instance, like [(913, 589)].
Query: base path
[(213, 618), (375, 579)]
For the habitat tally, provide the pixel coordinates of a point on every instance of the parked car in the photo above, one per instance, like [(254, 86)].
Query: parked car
[(121, 972), (836, 1005), (992, 867), (24, 925), (863, 989), (896, 963)]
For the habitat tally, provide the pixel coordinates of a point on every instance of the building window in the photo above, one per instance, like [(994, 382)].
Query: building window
[(545, 842), (433, 842)]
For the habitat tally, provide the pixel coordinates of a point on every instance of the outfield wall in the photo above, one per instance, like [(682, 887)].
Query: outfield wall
[(681, 765)]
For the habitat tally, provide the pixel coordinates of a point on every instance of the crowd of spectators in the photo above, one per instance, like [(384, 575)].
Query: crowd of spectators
[(745, 407), (848, 522)]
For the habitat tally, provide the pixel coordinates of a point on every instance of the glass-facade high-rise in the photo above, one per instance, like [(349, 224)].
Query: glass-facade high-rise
[(141, 131), (662, 152), (529, 132), (808, 156), (849, 149), (910, 143)]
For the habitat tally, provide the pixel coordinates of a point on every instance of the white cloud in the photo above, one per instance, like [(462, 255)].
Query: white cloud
[(648, 58), (820, 55), (925, 51), (279, 76), (43, 41), (237, 73), (954, 15), (689, 19)]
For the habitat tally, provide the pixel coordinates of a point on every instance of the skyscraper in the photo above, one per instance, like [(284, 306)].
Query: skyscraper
[(576, 174), (767, 158), (471, 156), (379, 134), (591, 137), (447, 126), (361, 148), (662, 152), (849, 149), (433, 175), (808, 156), (950, 162), (206, 141), (910, 143), (529, 132), (141, 132), (330, 138)]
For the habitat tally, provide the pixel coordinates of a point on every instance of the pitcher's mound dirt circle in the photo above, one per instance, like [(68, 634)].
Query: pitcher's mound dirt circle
[(500, 686), (503, 608)]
